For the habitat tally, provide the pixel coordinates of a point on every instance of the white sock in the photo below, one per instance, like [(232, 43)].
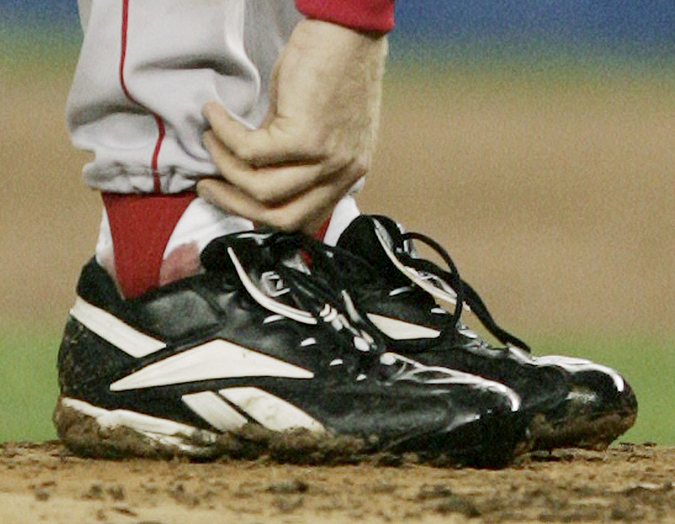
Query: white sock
[(343, 215)]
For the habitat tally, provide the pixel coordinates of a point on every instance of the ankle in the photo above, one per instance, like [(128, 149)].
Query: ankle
[(140, 227), (181, 262)]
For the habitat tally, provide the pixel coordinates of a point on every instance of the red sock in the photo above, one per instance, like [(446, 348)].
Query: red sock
[(320, 233), (141, 226)]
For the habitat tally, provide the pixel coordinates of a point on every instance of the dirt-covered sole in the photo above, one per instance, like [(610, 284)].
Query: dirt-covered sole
[(91, 431), (580, 431)]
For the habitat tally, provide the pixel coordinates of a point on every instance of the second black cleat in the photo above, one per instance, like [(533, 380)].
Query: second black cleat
[(577, 403), (258, 350)]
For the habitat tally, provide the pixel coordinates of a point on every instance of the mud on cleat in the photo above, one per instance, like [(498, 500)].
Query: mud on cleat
[(260, 353), (574, 402)]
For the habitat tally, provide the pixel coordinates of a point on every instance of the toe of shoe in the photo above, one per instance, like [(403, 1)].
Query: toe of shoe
[(598, 409)]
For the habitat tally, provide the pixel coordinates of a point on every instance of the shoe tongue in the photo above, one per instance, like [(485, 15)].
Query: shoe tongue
[(360, 238), (248, 258)]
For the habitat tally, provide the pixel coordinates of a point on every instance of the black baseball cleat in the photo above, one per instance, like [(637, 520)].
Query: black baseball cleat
[(258, 353), (578, 403)]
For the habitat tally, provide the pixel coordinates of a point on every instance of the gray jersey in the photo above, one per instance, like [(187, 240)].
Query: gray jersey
[(145, 70)]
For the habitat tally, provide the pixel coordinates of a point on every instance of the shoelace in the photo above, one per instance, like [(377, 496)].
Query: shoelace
[(330, 289), (335, 289), (328, 301), (327, 287), (464, 293)]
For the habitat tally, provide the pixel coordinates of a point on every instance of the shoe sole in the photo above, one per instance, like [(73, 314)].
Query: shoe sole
[(580, 431), (94, 432)]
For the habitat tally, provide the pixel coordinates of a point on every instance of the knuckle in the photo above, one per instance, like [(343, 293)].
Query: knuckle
[(360, 161), (361, 165), (245, 153)]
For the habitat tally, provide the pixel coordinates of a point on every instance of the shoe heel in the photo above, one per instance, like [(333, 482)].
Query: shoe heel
[(91, 431)]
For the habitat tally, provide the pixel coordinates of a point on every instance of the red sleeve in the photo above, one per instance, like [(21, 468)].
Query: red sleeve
[(366, 15)]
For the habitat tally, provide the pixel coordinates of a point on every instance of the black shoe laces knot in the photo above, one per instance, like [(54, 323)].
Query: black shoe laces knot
[(441, 278), (306, 269)]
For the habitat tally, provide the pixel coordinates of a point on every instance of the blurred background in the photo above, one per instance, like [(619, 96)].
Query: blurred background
[(535, 139)]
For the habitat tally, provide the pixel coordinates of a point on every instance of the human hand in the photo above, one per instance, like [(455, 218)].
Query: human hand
[(319, 135)]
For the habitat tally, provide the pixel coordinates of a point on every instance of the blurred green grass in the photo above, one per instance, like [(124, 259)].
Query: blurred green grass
[(28, 381)]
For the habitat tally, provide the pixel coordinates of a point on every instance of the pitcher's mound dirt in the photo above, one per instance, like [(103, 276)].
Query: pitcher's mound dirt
[(45, 483)]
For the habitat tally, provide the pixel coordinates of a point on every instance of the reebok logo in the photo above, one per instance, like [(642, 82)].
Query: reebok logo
[(217, 359), (272, 284)]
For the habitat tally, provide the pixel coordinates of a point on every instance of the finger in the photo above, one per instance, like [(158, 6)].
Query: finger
[(269, 185), (305, 213), (228, 198), (279, 142)]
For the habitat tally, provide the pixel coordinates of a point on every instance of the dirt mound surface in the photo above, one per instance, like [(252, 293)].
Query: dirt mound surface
[(45, 483)]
